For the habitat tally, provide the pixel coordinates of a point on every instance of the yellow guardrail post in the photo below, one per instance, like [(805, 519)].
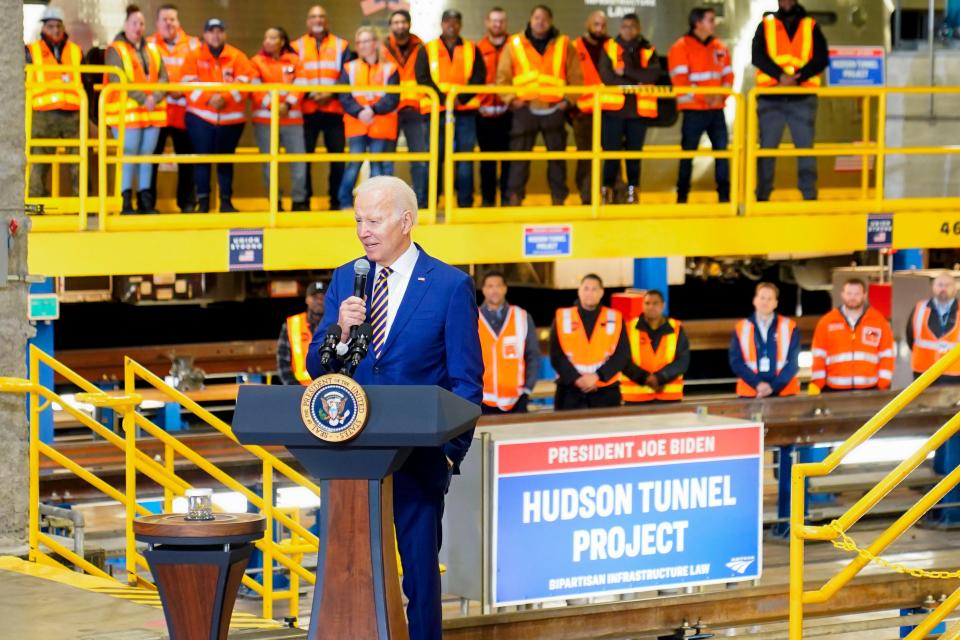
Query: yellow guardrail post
[(750, 156), (596, 146), (433, 165), (268, 543), (881, 155), (34, 514), (130, 475), (865, 141), (102, 164), (737, 168), (169, 456), (274, 192), (449, 189)]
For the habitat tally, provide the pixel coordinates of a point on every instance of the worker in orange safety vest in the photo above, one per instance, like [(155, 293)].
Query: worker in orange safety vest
[(511, 350), (765, 348), (933, 330), (370, 118), (295, 336), (54, 96), (493, 124), (590, 47), (852, 345), (789, 50), (660, 355), (588, 350)]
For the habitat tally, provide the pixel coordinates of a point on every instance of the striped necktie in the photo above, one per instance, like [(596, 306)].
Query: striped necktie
[(378, 311)]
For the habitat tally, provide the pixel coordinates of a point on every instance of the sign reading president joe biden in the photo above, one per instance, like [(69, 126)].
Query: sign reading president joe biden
[(626, 512)]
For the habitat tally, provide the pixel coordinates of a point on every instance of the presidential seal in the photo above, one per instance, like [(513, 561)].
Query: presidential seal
[(334, 408)]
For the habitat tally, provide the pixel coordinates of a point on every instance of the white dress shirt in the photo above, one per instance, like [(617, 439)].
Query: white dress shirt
[(397, 282)]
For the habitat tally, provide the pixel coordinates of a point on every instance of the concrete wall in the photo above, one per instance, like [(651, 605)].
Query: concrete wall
[(14, 328), (909, 123)]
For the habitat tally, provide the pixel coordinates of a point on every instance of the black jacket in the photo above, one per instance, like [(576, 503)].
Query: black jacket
[(764, 62), (633, 73), (567, 374), (422, 70), (672, 371)]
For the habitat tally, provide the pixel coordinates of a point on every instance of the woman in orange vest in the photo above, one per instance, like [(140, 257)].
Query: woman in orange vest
[(144, 113), (661, 355), (278, 63), (588, 350), (215, 119), (370, 119), (630, 60), (765, 348)]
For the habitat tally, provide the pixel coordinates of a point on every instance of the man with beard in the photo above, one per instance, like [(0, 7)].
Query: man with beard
[(493, 125), (295, 337), (401, 48), (589, 48)]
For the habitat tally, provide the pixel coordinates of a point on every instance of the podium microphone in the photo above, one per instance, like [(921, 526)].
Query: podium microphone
[(361, 268), (329, 348), (358, 348)]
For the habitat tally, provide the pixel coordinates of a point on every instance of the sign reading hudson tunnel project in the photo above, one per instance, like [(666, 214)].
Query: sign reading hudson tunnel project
[(628, 512)]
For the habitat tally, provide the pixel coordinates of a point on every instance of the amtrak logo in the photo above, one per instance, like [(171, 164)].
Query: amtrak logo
[(334, 408), (741, 564)]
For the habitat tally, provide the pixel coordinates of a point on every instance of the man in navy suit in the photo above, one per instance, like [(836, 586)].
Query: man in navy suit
[(424, 318)]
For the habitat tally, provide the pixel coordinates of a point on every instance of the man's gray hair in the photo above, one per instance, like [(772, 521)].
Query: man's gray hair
[(395, 195)]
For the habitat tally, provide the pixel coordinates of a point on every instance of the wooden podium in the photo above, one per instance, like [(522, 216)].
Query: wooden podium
[(357, 593)]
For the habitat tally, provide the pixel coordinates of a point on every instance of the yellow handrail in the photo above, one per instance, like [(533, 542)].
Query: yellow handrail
[(801, 532)]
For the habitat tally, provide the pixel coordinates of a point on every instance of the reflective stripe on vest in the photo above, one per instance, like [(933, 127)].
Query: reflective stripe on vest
[(136, 115), (589, 354), (491, 105), (360, 73), (646, 104), (649, 360), (59, 87), (927, 348), (298, 332), (505, 369), (748, 350), (321, 66), (795, 54), (457, 74), (591, 77), (525, 75)]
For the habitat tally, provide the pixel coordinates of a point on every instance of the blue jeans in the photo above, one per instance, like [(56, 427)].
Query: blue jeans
[(414, 128), (464, 139), (137, 142), (208, 139), (362, 144)]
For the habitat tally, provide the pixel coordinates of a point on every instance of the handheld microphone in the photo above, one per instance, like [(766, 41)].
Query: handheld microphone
[(329, 348), (358, 348), (361, 268)]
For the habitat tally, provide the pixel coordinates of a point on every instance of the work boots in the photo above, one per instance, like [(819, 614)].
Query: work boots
[(146, 202), (203, 205), (606, 195), (127, 206), (633, 195), (226, 206)]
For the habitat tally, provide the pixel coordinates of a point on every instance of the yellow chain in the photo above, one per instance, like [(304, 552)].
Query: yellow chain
[(846, 543)]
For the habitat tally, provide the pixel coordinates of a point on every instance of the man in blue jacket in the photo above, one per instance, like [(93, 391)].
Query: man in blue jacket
[(765, 349), (424, 318)]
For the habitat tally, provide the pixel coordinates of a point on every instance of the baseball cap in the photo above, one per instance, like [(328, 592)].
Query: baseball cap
[(214, 23), (52, 13), (314, 288), (451, 14)]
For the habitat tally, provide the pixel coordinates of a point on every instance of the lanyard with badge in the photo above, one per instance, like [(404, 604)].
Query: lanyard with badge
[(764, 361)]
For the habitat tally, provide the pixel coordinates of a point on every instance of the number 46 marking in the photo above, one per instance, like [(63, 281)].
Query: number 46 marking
[(948, 230)]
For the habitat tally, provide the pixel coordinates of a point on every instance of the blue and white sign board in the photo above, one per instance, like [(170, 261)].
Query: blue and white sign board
[(606, 514), (548, 241), (879, 231), (856, 67), (245, 250)]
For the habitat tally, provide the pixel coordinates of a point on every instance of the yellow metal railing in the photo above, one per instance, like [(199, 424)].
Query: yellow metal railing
[(288, 553), (596, 155), (274, 158), (55, 202), (837, 531)]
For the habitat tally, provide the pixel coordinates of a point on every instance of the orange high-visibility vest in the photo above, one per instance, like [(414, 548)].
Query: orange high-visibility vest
[(232, 66), (861, 357), (136, 116), (591, 78), (321, 67), (589, 354), (539, 72), (504, 367), (649, 360), (446, 72), (646, 104), (748, 347), (284, 70), (491, 105), (927, 348), (173, 58), (384, 126), (695, 64), (62, 86), (790, 55), (406, 69), (298, 332)]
